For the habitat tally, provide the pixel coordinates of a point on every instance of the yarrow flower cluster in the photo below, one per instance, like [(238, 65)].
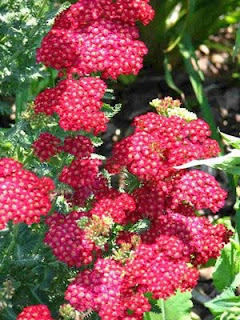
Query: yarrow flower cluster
[(23, 196), (36, 312), (69, 243), (77, 102), (47, 146), (160, 143), (97, 36)]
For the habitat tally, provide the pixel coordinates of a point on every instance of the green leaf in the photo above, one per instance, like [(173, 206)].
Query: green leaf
[(97, 141), (169, 78), (131, 182), (141, 226), (231, 140), (109, 94), (196, 78), (227, 266), (110, 111), (227, 301), (151, 316), (237, 44), (127, 79), (229, 162), (176, 307)]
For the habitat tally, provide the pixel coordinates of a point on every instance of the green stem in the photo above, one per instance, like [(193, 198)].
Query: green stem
[(232, 262), (163, 310), (237, 205), (11, 246), (40, 240), (27, 157)]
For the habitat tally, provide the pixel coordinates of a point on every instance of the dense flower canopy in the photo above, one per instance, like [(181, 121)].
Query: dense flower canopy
[(127, 241)]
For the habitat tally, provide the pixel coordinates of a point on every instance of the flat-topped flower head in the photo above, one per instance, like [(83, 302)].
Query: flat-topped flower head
[(77, 103), (36, 312), (24, 197), (97, 36)]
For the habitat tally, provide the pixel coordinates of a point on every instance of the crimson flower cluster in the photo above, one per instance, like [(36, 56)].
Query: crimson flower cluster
[(35, 312), (97, 36), (23, 196), (70, 244), (47, 146), (77, 103)]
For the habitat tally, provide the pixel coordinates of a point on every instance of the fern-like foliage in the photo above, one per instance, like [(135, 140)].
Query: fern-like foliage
[(23, 23), (35, 274)]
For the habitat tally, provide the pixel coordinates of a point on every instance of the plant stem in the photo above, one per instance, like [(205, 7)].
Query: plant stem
[(11, 245), (163, 310)]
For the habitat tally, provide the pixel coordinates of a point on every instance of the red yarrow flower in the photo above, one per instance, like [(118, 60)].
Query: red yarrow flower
[(23, 196), (36, 312), (77, 102), (68, 241), (97, 36), (46, 146)]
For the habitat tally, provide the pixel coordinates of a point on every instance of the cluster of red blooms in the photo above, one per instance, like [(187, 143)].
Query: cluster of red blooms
[(77, 102), (97, 36), (77, 247), (23, 196), (47, 146), (165, 257), (105, 289), (36, 312), (69, 243), (101, 36), (158, 145), (198, 240)]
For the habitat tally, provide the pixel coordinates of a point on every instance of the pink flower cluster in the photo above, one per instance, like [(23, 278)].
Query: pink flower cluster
[(113, 204), (160, 143), (75, 246), (97, 36), (69, 243), (35, 312), (152, 152), (105, 290), (47, 146), (77, 102), (23, 196), (198, 240)]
